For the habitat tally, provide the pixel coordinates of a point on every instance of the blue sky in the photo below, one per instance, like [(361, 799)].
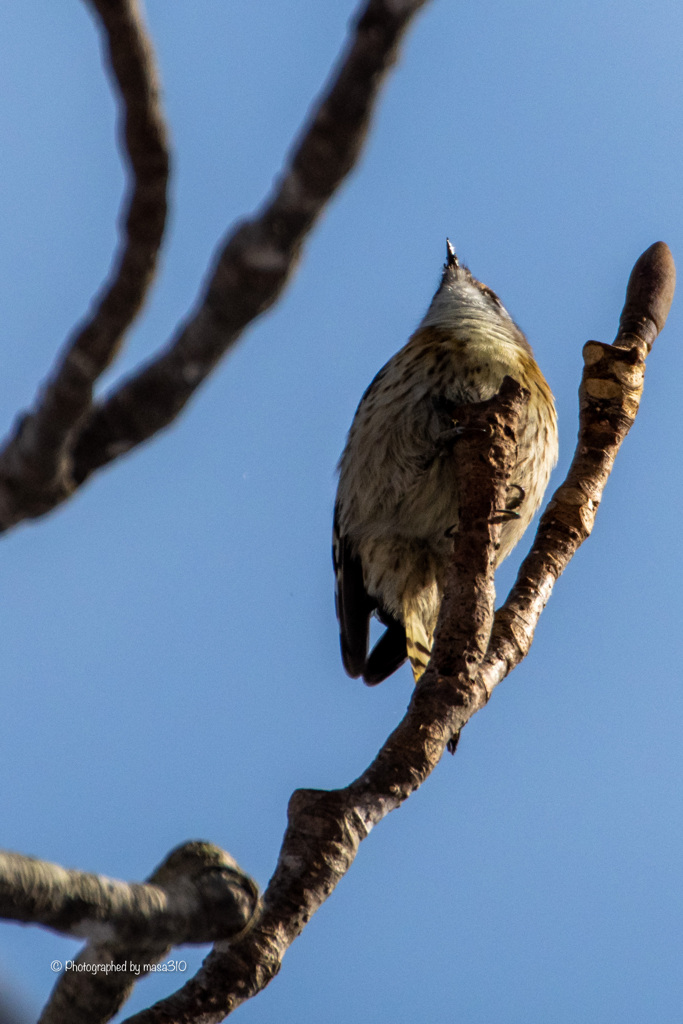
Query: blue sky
[(169, 648)]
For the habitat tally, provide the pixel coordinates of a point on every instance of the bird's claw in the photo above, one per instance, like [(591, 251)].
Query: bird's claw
[(507, 514), (516, 500), (504, 515)]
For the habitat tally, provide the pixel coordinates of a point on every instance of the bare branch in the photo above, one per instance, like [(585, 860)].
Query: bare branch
[(198, 894), (65, 439), (35, 463), (609, 396), (325, 828), (262, 252)]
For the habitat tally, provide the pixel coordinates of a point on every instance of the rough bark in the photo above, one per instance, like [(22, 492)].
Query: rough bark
[(609, 396), (470, 656), (198, 894)]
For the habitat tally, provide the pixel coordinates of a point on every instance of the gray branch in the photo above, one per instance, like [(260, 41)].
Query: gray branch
[(197, 895)]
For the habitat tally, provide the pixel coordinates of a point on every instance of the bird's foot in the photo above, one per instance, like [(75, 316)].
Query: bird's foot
[(507, 514)]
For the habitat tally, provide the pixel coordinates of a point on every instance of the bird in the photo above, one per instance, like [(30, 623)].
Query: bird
[(397, 501)]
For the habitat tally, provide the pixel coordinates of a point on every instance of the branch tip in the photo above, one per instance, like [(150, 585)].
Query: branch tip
[(649, 295)]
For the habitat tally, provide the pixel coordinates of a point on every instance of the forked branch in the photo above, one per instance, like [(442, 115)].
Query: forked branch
[(262, 252), (472, 651), (67, 437), (198, 894), (57, 446)]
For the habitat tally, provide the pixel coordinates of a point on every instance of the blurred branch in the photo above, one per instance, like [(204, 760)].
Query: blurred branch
[(262, 252), (35, 462), (325, 828), (66, 438), (198, 894), (57, 446)]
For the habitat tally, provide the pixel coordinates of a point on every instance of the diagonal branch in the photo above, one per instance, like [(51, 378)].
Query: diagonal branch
[(325, 828), (35, 463), (261, 254), (609, 396)]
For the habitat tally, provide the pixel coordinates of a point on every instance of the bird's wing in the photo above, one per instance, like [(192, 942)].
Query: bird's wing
[(354, 608), (354, 605)]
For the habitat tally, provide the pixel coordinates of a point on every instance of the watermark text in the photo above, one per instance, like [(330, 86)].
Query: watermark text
[(123, 966)]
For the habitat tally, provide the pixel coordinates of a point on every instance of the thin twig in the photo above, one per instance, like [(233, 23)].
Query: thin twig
[(609, 396), (35, 463)]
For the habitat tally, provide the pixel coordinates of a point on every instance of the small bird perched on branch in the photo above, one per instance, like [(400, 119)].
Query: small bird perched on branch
[(397, 503)]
